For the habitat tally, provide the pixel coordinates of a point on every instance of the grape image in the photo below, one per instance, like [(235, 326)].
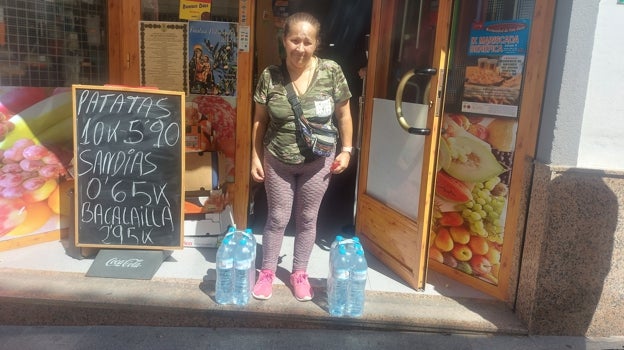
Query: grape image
[(483, 212), (28, 171)]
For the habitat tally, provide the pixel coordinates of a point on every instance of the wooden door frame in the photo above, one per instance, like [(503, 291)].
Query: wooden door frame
[(244, 116), (123, 30)]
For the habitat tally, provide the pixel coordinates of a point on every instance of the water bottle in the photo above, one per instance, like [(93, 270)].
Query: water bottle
[(242, 271), (249, 234), (224, 287), (252, 243), (230, 232), (336, 242), (357, 283), (333, 250), (338, 285)]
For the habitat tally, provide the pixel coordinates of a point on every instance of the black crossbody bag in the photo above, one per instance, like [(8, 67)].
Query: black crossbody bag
[(321, 139)]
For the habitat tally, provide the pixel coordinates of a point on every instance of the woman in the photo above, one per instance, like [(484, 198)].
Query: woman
[(291, 173)]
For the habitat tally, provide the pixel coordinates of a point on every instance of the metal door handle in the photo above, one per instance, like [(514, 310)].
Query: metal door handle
[(399, 100)]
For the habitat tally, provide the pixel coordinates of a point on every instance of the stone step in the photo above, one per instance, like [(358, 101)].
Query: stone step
[(35, 297)]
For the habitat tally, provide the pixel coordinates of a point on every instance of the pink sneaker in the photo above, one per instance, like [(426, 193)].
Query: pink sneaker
[(264, 286), (301, 287)]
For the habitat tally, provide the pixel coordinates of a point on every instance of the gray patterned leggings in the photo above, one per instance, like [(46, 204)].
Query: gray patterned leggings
[(304, 185)]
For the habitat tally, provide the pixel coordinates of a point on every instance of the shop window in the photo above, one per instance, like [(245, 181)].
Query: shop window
[(168, 11), (53, 43)]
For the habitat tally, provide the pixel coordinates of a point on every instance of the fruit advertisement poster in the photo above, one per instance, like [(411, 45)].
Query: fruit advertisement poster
[(496, 54), (214, 119), (35, 151), (471, 193), (212, 48)]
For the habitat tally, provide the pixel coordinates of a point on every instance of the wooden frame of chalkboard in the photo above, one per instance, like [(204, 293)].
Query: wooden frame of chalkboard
[(128, 167)]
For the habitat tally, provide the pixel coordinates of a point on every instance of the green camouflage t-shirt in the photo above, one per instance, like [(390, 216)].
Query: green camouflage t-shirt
[(328, 87)]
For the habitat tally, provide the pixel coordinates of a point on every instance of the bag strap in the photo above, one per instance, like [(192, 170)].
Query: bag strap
[(294, 101), (291, 94)]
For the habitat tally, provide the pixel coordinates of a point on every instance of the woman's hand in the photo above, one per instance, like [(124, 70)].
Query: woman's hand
[(257, 171), (340, 163)]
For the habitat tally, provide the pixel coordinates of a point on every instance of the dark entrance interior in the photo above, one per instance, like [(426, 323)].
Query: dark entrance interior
[(344, 25)]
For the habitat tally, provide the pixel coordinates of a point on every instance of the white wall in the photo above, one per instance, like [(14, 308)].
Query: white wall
[(602, 134), (583, 112)]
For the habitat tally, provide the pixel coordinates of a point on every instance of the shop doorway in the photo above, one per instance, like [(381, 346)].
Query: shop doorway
[(396, 207), (346, 43), (340, 210)]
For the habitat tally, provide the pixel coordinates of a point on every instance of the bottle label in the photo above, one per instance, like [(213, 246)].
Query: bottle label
[(358, 275), (342, 274), (226, 264), (243, 264)]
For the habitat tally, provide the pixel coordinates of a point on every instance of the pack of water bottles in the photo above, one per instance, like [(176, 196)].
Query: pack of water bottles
[(346, 283), (236, 267)]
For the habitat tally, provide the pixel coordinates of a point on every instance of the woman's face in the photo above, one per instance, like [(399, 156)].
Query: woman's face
[(300, 44)]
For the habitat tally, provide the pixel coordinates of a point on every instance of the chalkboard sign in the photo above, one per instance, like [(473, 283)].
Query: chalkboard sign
[(128, 166)]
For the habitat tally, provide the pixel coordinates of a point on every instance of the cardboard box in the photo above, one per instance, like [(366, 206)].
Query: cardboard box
[(204, 174), (205, 229), (196, 202), (201, 241), (193, 138), (203, 171), (198, 139)]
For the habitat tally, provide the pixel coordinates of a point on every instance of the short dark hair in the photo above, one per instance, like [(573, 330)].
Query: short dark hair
[(303, 17)]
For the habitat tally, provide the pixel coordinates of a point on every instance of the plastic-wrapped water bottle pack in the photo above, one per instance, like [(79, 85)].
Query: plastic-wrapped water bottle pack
[(346, 283), (236, 272)]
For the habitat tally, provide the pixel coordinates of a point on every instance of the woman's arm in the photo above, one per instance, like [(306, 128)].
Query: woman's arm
[(261, 119), (345, 128)]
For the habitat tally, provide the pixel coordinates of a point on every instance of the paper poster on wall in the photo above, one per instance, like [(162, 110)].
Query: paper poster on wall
[(496, 55), (216, 116), (163, 55), (195, 9), (212, 49)]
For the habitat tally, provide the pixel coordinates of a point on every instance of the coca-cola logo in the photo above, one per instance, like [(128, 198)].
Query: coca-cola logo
[(124, 263)]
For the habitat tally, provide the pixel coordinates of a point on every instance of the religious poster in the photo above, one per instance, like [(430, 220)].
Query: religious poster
[(163, 55), (212, 49), (496, 55)]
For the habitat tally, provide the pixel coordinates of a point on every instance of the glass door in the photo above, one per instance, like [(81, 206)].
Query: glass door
[(401, 128)]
